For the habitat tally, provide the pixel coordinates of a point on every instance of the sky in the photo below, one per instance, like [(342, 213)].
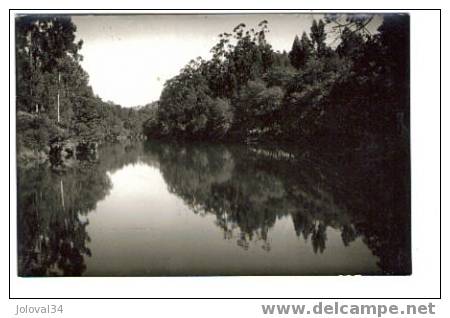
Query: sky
[(129, 57)]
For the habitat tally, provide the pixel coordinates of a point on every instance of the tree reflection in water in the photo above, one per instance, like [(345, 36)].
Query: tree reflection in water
[(53, 207), (249, 188), (246, 188), (52, 218)]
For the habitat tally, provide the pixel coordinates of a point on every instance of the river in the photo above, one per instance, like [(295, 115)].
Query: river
[(168, 209)]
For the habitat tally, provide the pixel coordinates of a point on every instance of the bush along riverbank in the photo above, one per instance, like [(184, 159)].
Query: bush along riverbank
[(340, 85), (354, 92), (58, 114)]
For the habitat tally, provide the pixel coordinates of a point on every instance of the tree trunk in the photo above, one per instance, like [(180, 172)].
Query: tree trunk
[(59, 80), (62, 195)]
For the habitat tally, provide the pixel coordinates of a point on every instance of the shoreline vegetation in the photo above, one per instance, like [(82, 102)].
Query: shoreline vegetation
[(352, 93), (318, 136)]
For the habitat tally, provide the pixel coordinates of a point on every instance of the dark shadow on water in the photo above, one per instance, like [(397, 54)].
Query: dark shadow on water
[(246, 188)]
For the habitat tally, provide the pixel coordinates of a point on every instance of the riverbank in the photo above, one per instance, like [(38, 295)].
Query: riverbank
[(64, 153)]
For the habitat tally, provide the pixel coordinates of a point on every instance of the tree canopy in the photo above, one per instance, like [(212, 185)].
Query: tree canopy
[(54, 100), (355, 90)]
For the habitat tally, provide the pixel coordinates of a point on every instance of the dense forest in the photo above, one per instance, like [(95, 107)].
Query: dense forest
[(352, 90), (326, 127), (355, 91), (57, 110)]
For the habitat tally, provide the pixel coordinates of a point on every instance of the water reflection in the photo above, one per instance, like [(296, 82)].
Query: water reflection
[(178, 209)]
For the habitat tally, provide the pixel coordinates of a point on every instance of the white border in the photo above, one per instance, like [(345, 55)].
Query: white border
[(424, 282)]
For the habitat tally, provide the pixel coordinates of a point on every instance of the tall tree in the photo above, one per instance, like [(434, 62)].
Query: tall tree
[(41, 44), (318, 37), (301, 51)]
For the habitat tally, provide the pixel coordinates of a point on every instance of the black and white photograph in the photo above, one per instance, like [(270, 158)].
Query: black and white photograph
[(230, 144)]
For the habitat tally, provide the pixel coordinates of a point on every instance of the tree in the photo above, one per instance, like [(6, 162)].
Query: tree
[(220, 118), (318, 37), (87, 125), (301, 51), (313, 92), (41, 44), (54, 99), (295, 56)]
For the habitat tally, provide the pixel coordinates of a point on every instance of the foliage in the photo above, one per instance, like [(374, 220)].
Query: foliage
[(54, 100), (301, 51), (355, 91)]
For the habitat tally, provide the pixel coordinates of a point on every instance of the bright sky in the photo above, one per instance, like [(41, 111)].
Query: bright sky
[(129, 57)]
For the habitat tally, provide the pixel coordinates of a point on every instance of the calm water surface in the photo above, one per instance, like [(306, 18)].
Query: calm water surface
[(154, 208)]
